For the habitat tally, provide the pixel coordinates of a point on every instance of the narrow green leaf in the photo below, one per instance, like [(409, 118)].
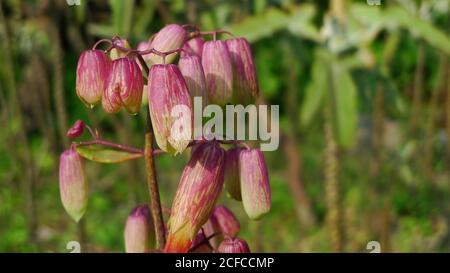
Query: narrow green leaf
[(102, 154), (122, 14), (344, 105), (315, 91)]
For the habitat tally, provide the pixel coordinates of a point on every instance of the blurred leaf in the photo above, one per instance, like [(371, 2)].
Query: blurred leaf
[(344, 104), (103, 154), (143, 18), (122, 14), (315, 91), (101, 30), (302, 24), (265, 23), (397, 17)]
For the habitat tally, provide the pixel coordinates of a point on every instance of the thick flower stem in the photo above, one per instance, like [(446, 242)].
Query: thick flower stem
[(155, 202)]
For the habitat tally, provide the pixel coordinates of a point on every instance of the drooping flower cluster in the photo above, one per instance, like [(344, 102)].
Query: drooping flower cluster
[(219, 71)]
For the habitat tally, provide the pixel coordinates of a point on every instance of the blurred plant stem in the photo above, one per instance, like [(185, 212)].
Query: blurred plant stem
[(291, 149), (339, 9), (155, 202), (21, 140), (418, 88), (378, 115), (447, 114), (58, 81), (332, 187), (429, 134)]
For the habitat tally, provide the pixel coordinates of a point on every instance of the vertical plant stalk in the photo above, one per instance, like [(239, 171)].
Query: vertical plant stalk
[(378, 106), (332, 187), (447, 113), (292, 151), (22, 139), (155, 202), (440, 86), (59, 85), (378, 130), (418, 88), (339, 9), (334, 217)]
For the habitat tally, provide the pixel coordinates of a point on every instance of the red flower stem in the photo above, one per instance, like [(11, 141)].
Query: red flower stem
[(111, 145), (152, 182), (101, 41), (155, 201)]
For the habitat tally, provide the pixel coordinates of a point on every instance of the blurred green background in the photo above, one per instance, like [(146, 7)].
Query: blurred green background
[(364, 111)]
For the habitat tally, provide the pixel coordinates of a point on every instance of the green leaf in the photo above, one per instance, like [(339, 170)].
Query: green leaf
[(122, 14), (302, 23), (143, 18), (102, 154), (261, 25), (397, 17), (315, 91), (344, 95)]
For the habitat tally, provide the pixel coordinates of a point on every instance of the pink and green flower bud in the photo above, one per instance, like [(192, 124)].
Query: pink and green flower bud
[(143, 46), (73, 185), (115, 53), (193, 47), (200, 185), (124, 87), (169, 38), (255, 188), (139, 234), (76, 130), (170, 108), (217, 65), (227, 222), (192, 71), (92, 71), (245, 81), (234, 245), (232, 179)]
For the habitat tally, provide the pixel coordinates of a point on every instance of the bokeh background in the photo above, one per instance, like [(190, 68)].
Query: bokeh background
[(365, 121)]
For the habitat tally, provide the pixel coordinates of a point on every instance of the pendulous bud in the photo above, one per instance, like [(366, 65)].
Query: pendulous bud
[(232, 179), (234, 245), (143, 46), (170, 108), (193, 47), (115, 53), (192, 71), (227, 222), (124, 87), (217, 65), (139, 234), (76, 130), (92, 71), (245, 82), (255, 188), (73, 185), (169, 38), (200, 185)]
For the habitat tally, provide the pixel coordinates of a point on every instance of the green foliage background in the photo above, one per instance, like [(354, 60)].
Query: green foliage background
[(312, 58)]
